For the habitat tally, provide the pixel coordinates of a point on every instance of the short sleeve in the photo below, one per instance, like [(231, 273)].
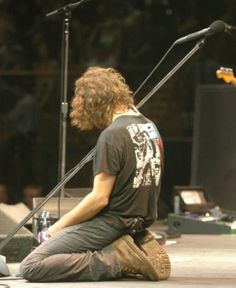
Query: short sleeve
[(108, 154)]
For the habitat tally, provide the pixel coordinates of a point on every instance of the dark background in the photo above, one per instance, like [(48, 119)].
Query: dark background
[(130, 35)]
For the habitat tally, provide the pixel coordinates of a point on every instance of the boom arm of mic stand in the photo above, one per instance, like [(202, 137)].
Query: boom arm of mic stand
[(197, 46), (67, 8), (90, 155), (66, 178)]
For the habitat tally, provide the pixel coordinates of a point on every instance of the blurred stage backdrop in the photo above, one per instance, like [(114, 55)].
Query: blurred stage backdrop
[(130, 35)]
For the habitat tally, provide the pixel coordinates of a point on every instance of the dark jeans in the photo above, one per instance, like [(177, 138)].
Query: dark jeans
[(78, 253)]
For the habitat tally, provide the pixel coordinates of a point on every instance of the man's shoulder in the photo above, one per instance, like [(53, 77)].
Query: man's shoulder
[(113, 132)]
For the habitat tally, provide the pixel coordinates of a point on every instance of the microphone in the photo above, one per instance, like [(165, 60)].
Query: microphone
[(216, 27), (229, 27)]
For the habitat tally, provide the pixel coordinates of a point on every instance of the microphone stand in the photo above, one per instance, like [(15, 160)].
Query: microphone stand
[(90, 155), (66, 12), (64, 103)]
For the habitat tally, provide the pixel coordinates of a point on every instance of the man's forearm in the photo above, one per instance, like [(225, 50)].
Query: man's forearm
[(85, 210)]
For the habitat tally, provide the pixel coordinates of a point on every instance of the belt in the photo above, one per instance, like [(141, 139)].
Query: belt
[(137, 226)]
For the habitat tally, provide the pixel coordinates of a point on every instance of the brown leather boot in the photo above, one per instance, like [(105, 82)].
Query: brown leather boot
[(133, 260), (155, 253)]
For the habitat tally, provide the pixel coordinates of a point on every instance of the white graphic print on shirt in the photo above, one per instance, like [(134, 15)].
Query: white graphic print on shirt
[(147, 153)]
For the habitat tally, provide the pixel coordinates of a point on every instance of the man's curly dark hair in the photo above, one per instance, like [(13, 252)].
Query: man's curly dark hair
[(98, 94)]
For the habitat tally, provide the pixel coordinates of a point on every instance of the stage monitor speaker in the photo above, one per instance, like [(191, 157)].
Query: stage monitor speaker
[(20, 245), (214, 143)]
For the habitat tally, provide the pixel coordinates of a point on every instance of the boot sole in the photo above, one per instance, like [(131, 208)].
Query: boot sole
[(157, 255), (152, 273)]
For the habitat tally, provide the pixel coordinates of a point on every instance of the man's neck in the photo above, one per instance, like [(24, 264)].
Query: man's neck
[(122, 112)]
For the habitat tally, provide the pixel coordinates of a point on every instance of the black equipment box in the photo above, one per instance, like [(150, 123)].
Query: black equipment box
[(194, 214), (189, 223)]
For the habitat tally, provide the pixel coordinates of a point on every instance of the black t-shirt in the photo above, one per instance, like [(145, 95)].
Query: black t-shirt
[(131, 149)]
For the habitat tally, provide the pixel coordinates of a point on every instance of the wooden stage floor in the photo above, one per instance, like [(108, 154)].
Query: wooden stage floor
[(197, 261)]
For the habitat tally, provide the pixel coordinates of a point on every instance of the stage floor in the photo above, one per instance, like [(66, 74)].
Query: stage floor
[(197, 261)]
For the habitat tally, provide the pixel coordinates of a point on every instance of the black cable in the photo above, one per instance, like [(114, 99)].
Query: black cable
[(198, 45), (154, 69)]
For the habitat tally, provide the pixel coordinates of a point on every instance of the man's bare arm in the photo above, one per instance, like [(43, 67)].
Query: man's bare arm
[(93, 203)]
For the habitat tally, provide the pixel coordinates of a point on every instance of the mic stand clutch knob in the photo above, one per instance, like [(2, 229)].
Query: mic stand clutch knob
[(45, 220)]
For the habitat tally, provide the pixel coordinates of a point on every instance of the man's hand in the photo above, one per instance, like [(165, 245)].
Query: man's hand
[(52, 231)]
